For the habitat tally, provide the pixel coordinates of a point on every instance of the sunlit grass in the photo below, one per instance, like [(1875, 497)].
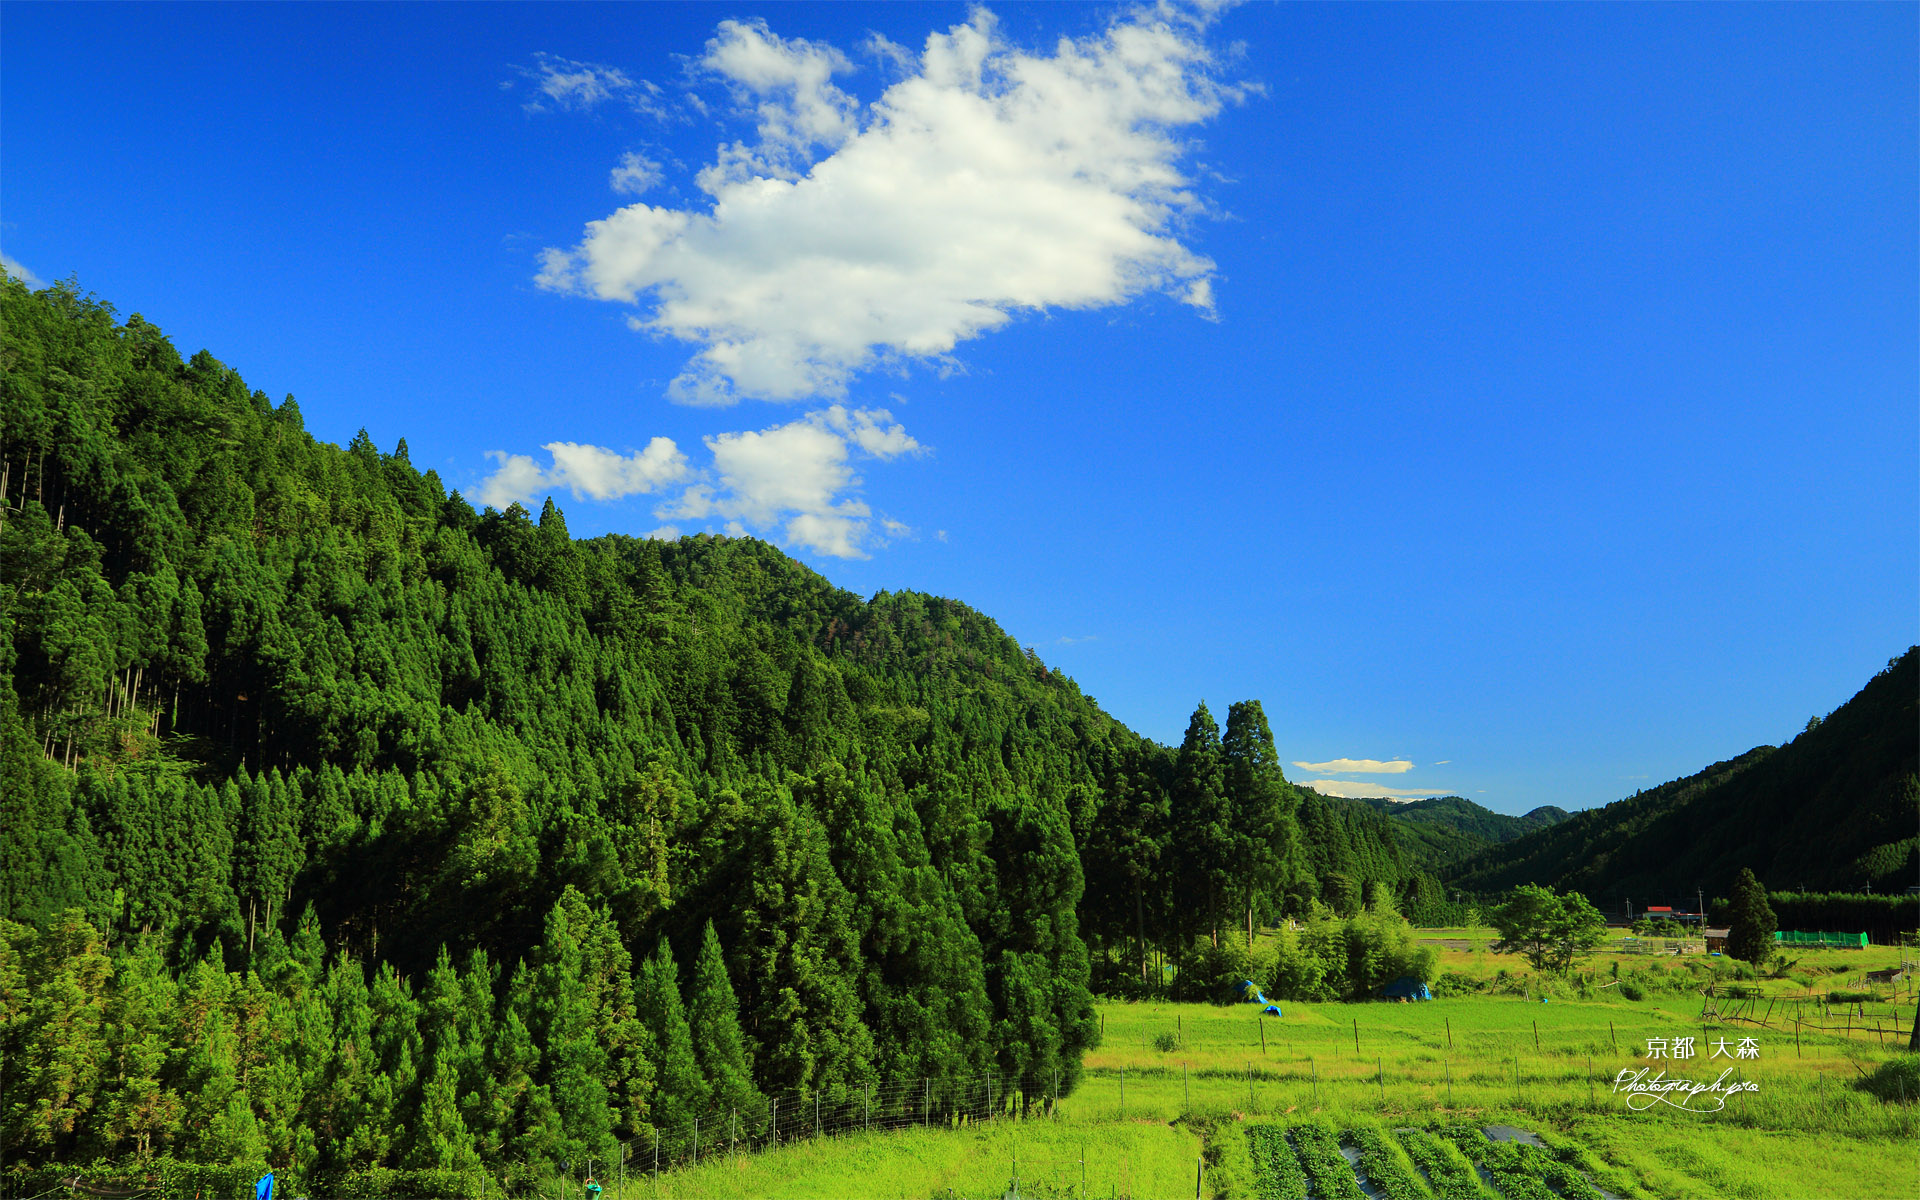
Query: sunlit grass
[(1141, 1114)]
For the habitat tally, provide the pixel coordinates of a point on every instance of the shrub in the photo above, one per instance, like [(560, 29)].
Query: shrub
[(1214, 973), (1632, 991), (1896, 1081), (1164, 1043)]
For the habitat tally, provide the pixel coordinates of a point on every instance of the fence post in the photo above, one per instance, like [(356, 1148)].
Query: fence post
[(1449, 1021), (1356, 1037), (1263, 1035), (773, 1128)]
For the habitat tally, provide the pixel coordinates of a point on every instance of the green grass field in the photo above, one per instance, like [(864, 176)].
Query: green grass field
[(1143, 1115)]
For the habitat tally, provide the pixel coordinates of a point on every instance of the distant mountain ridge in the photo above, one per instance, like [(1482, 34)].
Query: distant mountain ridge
[(1837, 808), (1445, 829)]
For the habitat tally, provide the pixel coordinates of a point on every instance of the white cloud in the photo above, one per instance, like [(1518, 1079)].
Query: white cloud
[(987, 182), (13, 268), (1356, 790), (1370, 766), (589, 472), (635, 174), (570, 85), (796, 480)]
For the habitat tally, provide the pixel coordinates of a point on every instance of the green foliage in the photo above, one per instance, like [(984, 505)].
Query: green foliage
[(1277, 1173), (1332, 959), (1750, 936), (1553, 931), (1387, 1167), (1320, 1153), (1896, 1081), (1452, 1175), (1444, 830)]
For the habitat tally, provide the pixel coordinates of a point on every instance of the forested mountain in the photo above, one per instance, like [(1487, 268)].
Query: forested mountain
[(1433, 833), (1837, 808), (347, 825)]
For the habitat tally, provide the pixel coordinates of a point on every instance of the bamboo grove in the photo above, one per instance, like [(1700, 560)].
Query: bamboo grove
[(350, 827)]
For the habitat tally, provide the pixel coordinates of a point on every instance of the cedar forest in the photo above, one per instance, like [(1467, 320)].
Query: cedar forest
[(351, 827)]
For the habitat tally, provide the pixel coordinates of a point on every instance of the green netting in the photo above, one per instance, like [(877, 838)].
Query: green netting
[(1796, 937)]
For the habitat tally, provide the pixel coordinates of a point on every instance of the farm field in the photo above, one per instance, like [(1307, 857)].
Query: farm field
[(1170, 1082)]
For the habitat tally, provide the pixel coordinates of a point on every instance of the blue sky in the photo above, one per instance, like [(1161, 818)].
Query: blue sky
[(1519, 398)]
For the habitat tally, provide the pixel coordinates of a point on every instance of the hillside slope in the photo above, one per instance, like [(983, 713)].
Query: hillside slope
[(1836, 809), (1446, 829)]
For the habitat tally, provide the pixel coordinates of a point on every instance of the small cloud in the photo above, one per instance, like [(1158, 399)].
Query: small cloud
[(19, 272), (572, 86), (1075, 641), (795, 479), (1443, 762), (1356, 790), (635, 174), (666, 533), (1365, 766), (589, 472), (939, 535)]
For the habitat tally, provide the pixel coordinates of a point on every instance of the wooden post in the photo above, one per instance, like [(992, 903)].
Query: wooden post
[(1612, 1036), (1316, 1078), (1536, 1035), (1263, 1036), (1356, 1037), (1449, 1033), (1180, 1030)]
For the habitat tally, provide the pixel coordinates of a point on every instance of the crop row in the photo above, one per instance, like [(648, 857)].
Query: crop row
[(1386, 1167), (1452, 1176), (1448, 1157), (1276, 1174), (1320, 1154)]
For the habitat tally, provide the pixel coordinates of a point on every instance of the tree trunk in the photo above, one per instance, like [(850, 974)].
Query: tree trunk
[(1140, 923)]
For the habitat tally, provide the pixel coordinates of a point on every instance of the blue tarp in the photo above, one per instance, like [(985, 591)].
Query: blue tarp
[(263, 1190), (1250, 993), (1406, 988)]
